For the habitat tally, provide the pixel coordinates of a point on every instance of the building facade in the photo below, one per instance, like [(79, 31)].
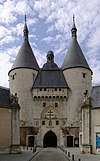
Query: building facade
[(57, 105), (50, 97)]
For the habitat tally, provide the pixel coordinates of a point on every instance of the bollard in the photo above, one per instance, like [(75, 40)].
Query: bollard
[(65, 151), (27, 147), (68, 154), (72, 157), (79, 160), (31, 148)]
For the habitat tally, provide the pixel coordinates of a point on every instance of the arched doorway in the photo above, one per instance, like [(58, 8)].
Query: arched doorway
[(50, 139)]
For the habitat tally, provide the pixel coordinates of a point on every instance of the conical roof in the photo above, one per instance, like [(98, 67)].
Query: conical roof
[(25, 57), (74, 57)]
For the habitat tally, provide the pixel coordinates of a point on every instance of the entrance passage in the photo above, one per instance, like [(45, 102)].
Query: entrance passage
[(69, 141), (50, 139)]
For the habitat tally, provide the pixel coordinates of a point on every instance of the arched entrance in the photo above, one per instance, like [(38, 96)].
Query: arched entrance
[(50, 139)]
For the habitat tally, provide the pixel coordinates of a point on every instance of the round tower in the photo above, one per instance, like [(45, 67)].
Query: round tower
[(22, 76), (78, 76)]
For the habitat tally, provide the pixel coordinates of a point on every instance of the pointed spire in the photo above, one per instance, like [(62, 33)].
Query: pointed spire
[(74, 56), (25, 31), (74, 29)]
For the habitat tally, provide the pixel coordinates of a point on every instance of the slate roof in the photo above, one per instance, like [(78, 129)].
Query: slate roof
[(74, 57), (50, 79), (25, 57), (50, 75), (4, 97), (95, 97)]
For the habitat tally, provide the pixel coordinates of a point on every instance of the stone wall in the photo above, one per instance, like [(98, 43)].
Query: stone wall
[(5, 130)]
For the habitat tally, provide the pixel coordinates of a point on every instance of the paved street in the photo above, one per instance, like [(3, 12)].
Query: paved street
[(50, 154), (26, 155)]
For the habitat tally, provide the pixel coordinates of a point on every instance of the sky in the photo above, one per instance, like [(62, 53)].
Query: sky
[(49, 23)]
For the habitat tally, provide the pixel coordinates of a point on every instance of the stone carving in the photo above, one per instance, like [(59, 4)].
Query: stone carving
[(14, 101), (65, 131), (87, 99)]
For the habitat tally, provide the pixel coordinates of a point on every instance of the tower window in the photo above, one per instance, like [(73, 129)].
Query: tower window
[(13, 77), (55, 89), (44, 89), (84, 75), (40, 89)]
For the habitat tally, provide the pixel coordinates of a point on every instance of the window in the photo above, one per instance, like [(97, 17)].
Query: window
[(43, 122), (56, 104), (44, 89), (44, 104), (40, 89), (57, 122), (13, 77), (84, 75), (59, 89), (55, 89)]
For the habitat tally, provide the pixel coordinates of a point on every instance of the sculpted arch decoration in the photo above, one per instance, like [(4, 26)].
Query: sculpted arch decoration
[(50, 116)]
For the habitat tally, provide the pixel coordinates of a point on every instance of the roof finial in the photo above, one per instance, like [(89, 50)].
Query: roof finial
[(25, 18), (25, 28), (73, 19), (74, 29)]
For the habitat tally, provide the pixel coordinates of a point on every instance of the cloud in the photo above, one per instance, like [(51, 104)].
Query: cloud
[(7, 14), (48, 39), (7, 39), (4, 66), (55, 18), (23, 7)]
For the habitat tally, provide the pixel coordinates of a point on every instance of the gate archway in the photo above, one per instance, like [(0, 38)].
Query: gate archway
[(50, 139)]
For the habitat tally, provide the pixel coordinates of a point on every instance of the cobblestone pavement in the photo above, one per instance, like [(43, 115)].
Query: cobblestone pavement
[(50, 154)]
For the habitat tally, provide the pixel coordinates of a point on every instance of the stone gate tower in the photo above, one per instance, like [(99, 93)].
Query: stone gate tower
[(50, 97)]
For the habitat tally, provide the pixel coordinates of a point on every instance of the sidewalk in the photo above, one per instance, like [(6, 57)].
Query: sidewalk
[(78, 155), (26, 155)]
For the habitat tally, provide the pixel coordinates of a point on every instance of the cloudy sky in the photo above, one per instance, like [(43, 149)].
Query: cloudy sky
[(49, 23)]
